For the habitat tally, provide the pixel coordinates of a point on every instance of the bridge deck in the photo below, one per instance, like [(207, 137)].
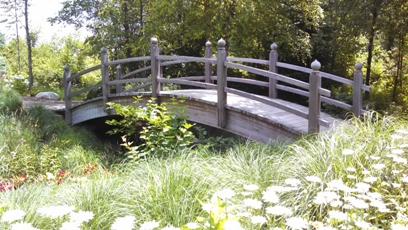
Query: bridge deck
[(250, 107), (248, 118)]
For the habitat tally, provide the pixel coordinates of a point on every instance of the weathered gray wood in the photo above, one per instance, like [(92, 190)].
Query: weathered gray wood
[(314, 98), (221, 83), (84, 72), (118, 77), (132, 80), (208, 65), (276, 76), (268, 102), (336, 103), (84, 90), (273, 58), (155, 64), (144, 86), (248, 81), (67, 92), (193, 78), (248, 60), (136, 72), (183, 58), (105, 78), (357, 95), (127, 60), (186, 82)]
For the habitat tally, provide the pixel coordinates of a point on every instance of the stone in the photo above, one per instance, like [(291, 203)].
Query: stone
[(48, 95)]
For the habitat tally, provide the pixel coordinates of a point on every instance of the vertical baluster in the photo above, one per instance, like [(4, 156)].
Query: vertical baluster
[(208, 65), (315, 83), (221, 83), (155, 64), (357, 86), (105, 79), (67, 95), (118, 77), (273, 58)]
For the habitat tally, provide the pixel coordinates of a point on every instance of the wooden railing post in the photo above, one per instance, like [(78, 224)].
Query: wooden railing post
[(208, 66), (105, 79), (273, 58), (315, 83), (67, 93), (154, 52), (357, 85), (221, 83), (118, 76)]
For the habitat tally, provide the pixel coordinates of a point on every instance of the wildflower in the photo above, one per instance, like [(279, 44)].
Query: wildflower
[(71, 226), (347, 152), (401, 131), (337, 215), (292, 182), (351, 169), (170, 228), (374, 157), (258, 220), (81, 216), (370, 179), (325, 197), (275, 188), (209, 207), (270, 197), (150, 225), (124, 223), (22, 226), (313, 179), (396, 185), (404, 179), (398, 159), (296, 223), (366, 172), (232, 225), (395, 136), (244, 214), (317, 224), (378, 166), (336, 203), (252, 203), (397, 151), (192, 225), (362, 187), (50, 176), (279, 211), (361, 204), (351, 177), (362, 224), (12, 215), (55, 211), (337, 185), (398, 227), (225, 194), (251, 187)]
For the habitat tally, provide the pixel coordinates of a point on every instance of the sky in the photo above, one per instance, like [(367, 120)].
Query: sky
[(39, 11)]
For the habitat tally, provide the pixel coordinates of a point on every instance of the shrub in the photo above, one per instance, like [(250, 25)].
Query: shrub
[(162, 131), (10, 100)]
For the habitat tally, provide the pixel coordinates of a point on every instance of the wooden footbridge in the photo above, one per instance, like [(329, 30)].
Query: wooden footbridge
[(256, 117)]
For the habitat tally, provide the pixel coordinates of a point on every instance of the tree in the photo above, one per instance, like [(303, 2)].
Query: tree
[(16, 10)]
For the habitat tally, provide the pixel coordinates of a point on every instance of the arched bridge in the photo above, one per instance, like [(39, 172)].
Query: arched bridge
[(253, 116)]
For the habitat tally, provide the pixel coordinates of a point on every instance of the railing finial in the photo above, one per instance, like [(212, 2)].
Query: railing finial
[(208, 44), (315, 65), (104, 50), (358, 66), (154, 41), (274, 46), (66, 68), (221, 43)]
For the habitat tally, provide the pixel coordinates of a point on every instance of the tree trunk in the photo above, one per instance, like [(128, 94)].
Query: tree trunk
[(18, 39), (28, 40), (371, 47)]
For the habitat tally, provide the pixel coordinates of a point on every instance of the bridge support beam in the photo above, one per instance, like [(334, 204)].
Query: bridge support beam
[(221, 83), (315, 83)]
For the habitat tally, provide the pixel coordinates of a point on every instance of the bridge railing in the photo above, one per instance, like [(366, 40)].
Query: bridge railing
[(312, 90)]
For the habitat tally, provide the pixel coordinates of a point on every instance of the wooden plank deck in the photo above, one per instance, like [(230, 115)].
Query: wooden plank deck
[(245, 117)]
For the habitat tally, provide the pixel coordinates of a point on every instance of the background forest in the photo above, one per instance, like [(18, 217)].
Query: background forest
[(337, 33)]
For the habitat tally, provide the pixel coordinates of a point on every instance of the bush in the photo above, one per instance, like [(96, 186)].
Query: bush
[(10, 100), (161, 131)]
